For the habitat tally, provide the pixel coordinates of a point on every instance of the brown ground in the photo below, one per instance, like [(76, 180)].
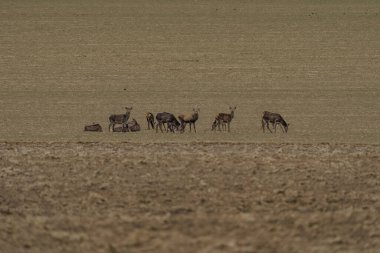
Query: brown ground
[(64, 64), (123, 197)]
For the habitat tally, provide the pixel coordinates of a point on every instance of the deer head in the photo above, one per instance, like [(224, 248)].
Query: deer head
[(128, 108)]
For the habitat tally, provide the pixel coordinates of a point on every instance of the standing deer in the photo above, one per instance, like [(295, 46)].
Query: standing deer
[(225, 118), (274, 119), (169, 119), (216, 123), (190, 118), (150, 120), (119, 118)]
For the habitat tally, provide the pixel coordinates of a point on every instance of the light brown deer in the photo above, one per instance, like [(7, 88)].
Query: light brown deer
[(150, 120), (225, 118), (190, 118)]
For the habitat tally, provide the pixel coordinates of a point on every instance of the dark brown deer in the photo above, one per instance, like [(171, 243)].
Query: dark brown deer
[(169, 119), (190, 118), (275, 119), (173, 126), (133, 126), (93, 128), (121, 129), (225, 118), (216, 123), (150, 120), (119, 118)]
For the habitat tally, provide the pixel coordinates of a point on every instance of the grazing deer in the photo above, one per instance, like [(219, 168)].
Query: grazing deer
[(93, 128), (225, 118), (169, 119), (119, 118), (274, 119), (133, 126), (190, 118), (150, 119), (216, 123), (172, 127)]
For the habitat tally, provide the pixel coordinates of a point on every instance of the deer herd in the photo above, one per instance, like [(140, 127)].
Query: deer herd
[(167, 122)]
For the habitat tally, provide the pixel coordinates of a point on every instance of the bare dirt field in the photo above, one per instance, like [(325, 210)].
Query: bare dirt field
[(65, 64), (120, 197)]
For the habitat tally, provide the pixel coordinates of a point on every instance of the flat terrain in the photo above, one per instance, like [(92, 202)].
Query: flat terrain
[(121, 197), (65, 64)]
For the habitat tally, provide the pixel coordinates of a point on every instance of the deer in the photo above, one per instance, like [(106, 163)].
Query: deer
[(173, 126), (275, 119), (216, 123), (119, 118), (190, 118), (150, 120), (133, 126), (120, 129), (169, 119), (225, 118), (93, 128)]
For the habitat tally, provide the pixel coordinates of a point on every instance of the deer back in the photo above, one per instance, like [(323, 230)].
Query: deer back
[(119, 118), (272, 117), (165, 117), (93, 128), (225, 117)]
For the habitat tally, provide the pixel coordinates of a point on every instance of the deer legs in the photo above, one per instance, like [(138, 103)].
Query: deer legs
[(193, 123), (275, 126), (265, 123)]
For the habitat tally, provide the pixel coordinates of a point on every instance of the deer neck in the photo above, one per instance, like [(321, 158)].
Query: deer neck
[(232, 114)]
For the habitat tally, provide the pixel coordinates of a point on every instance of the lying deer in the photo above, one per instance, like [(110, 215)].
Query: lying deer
[(133, 126), (275, 119), (93, 128), (120, 129), (225, 118), (119, 119), (190, 118)]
